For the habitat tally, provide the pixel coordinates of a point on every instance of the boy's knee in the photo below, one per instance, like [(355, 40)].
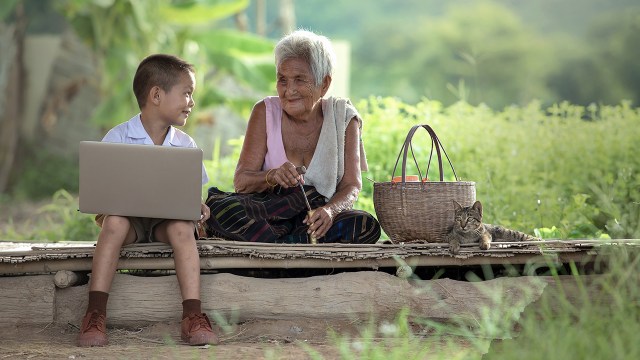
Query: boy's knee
[(180, 229), (117, 231), (115, 223)]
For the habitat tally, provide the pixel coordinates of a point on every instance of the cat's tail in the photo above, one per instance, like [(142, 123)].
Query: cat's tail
[(500, 233)]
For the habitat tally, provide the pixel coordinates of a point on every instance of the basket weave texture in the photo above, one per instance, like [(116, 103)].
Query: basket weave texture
[(420, 211)]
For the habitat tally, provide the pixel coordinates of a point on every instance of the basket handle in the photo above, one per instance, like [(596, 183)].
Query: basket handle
[(435, 143)]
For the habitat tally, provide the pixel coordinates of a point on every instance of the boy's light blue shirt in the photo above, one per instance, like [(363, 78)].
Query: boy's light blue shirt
[(132, 132)]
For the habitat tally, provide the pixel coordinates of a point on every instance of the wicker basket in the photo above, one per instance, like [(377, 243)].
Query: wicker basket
[(420, 211)]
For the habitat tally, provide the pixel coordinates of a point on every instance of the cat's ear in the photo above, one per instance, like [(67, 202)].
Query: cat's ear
[(456, 206), (477, 206)]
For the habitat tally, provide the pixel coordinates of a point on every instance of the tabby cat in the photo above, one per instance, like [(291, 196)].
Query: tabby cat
[(468, 228)]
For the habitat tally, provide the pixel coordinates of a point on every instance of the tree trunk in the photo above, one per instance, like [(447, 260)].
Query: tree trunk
[(261, 18), (12, 80), (363, 295), (287, 18), (242, 23)]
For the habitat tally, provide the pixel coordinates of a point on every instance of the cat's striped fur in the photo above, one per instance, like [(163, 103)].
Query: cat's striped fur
[(468, 228)]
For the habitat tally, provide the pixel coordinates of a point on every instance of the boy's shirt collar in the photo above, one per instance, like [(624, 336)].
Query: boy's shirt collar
[(137, 131), (170, 138)]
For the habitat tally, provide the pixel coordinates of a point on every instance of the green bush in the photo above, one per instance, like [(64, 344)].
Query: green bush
[(567, 166), (65, 221), (55, 221), (44, 174), (599, 324), (221, 169), (562, 172), (597, 318)]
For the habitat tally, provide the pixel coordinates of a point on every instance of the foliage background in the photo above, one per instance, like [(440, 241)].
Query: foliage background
[(500, 52), (535, 101), (537, 169)]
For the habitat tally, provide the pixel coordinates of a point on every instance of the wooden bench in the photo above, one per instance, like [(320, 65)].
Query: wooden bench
[(23, 258), (343, 295)]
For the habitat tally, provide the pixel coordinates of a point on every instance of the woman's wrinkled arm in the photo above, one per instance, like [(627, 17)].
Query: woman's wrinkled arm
[(249, 177), (348, 188)]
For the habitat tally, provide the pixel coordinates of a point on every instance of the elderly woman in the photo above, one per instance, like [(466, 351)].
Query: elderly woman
[(298, 128)]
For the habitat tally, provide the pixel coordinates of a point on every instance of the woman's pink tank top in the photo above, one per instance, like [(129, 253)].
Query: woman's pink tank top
[(275, 155)]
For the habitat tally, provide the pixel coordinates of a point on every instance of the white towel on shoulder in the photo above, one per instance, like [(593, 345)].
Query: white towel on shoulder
[(327, 165)]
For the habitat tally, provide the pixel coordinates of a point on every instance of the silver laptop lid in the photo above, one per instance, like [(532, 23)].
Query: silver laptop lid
[(140, 180)]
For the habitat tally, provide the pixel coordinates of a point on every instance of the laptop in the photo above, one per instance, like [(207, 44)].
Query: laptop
[(140, 180)]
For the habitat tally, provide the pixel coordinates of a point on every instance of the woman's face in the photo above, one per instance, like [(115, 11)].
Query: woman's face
[(296, 87)]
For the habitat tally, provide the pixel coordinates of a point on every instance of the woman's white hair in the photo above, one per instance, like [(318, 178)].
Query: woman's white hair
[(311, 47)]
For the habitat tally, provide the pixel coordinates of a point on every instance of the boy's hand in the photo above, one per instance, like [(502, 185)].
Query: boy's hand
[(205, 212)]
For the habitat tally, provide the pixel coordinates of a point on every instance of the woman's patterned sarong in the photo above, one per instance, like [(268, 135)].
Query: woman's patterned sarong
[(276, 217)]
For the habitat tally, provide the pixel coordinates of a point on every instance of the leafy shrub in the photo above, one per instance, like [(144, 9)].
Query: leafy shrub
[(568, 171), (57, 220), (61, 172), (597, 324), (567, 166), (562, 172), (597, 318), (62, 210)]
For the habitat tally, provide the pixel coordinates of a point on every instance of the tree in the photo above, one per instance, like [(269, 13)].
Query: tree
[(480, 52), (608, 70), (119, 34), (11, 88)]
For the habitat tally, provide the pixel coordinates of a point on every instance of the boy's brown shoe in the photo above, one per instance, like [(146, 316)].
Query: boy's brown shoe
[(93, 331), (196, 330)]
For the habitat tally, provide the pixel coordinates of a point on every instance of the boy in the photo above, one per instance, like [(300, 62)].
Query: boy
[(163, 86)]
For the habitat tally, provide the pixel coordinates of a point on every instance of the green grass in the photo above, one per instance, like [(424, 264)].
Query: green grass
[(602, 322), (52, 221), (597, 319), (565, 171), (567, 166)]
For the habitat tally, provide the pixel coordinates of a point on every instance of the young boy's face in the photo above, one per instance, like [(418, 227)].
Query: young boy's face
[(177, 103)]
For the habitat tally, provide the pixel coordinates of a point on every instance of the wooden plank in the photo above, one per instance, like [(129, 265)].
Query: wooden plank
[(352, 295), (220, 254), (27, 300), (246, 262)]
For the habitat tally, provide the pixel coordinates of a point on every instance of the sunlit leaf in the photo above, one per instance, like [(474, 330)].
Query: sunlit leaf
[(202, 12), (221, 40), (104, 3), (141, 14), (246, 57)]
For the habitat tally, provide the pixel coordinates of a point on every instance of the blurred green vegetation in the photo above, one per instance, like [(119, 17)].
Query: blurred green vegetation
[(501, 52), (534, 167), (535, 102), (539, 170), (52, 221), (582, 328), (576, 323), (122, 32)]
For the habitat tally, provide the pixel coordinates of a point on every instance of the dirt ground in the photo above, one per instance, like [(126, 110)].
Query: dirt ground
[(276, 339), (161, 341)]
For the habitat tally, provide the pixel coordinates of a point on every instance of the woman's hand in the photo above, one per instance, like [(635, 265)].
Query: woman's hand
[(205, 212), (319, 221), (285, 176)]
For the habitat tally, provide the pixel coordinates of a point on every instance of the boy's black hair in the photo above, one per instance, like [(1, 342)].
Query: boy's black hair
[(158, 70)]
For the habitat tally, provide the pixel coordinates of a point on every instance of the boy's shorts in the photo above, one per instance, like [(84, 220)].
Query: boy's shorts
[(144, 227)]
